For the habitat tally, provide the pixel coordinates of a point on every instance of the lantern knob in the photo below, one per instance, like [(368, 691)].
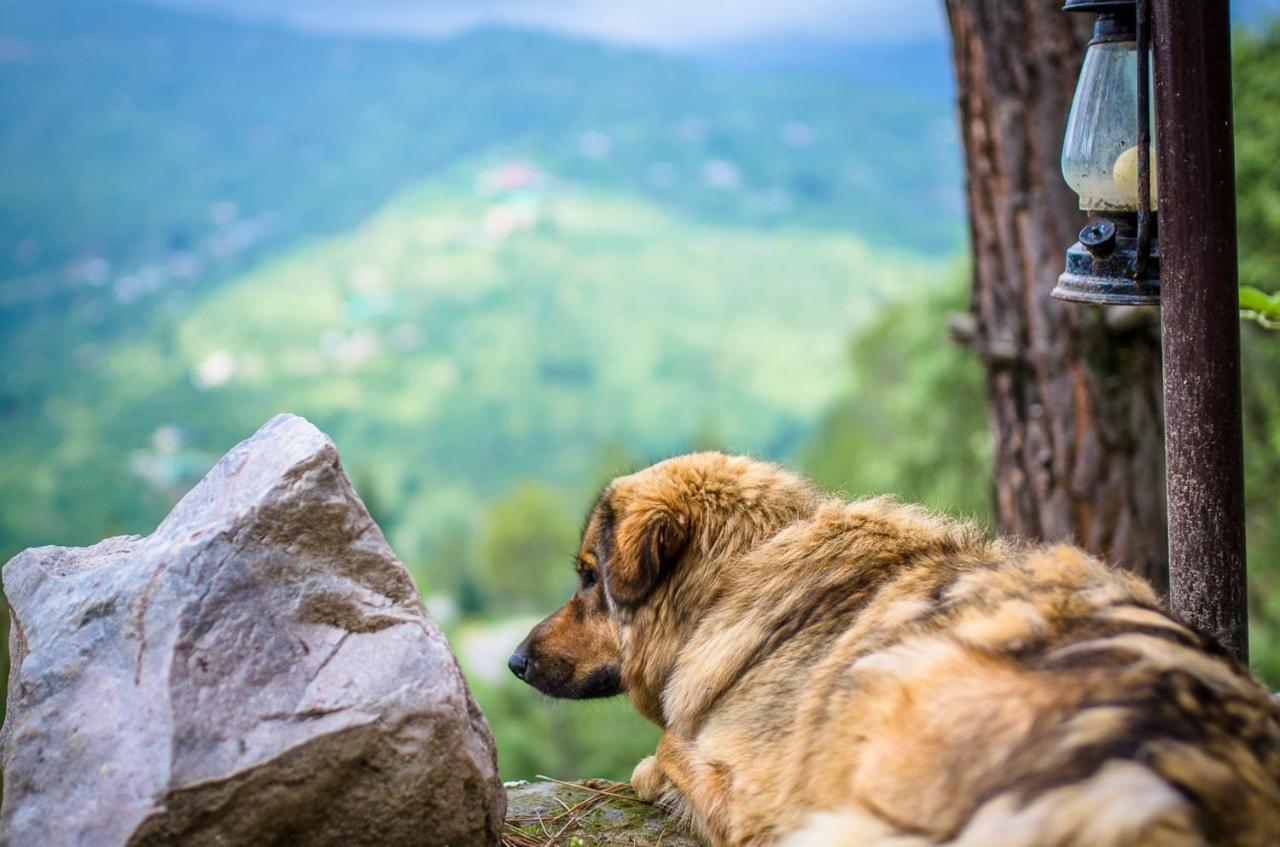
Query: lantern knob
[(1099, 238)]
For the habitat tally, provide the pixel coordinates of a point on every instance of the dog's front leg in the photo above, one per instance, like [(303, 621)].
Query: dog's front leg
[(651, 779), (650, 783), (675, 772)]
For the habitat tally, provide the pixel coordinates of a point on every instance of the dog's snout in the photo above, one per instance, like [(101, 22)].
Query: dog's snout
[(519, 663), (569, 655)]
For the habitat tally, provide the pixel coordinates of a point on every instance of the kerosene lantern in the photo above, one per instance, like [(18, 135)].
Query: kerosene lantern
[(1106, 159)]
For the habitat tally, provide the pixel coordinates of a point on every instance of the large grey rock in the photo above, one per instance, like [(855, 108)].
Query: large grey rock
[(259, 670)]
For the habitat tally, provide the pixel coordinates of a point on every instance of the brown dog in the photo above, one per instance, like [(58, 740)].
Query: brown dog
[(831, 673)]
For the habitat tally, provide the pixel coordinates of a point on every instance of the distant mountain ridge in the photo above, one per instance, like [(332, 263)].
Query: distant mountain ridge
[(923, 67), (126, 125), (1244, 12)]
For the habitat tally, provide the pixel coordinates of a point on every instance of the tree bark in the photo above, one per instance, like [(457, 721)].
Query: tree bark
[(1074, 390)]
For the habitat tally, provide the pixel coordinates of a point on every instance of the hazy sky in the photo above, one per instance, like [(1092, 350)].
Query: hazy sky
[(659, 23)]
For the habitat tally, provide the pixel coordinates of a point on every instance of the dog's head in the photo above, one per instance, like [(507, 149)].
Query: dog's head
[(668, 526)]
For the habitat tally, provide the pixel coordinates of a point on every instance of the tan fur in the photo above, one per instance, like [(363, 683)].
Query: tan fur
[(870, 673)]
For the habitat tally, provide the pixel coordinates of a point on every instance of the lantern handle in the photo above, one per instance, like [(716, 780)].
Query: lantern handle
[(1141, 259)]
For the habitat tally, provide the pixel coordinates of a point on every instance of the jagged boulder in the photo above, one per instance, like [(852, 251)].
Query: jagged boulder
[(259, 670)]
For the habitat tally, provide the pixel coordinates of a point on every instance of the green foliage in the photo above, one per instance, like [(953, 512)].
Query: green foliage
[(527, 549), (1257, 112), (913, 421), (1256, 69), (1261, 363), (1260, 306), (564, 739)]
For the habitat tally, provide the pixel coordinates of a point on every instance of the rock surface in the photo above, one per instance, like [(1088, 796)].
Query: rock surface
[(550, 814), (259, 670)]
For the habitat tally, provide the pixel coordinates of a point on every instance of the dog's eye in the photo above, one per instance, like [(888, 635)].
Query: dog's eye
[(586, 579)]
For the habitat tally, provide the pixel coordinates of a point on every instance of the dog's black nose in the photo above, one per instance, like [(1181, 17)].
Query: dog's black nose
[(518, 663)]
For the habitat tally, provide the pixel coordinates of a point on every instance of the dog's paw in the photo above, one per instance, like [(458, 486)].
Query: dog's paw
[(648, 780)]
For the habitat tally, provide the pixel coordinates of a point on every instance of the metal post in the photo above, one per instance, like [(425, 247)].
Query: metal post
[(1200, 315)]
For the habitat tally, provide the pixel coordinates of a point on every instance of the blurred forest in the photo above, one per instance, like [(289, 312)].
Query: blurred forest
[(1257, 92), (494, 303)]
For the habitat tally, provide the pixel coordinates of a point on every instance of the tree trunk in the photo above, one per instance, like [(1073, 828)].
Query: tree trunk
[(1074, 390)]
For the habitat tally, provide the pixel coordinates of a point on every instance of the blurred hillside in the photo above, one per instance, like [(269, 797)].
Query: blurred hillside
[(498, 268), (134, 134), (590, 215), (460, 341)]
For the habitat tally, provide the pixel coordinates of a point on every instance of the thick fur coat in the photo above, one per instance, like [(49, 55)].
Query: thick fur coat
[(869, 673)]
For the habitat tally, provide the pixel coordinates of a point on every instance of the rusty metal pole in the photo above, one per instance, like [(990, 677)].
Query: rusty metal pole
[(1200, 317)]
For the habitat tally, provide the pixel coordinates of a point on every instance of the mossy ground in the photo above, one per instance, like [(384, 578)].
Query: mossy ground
[(549, 814)]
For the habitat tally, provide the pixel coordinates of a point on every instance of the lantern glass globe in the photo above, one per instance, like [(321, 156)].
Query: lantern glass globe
[(1100, 152)]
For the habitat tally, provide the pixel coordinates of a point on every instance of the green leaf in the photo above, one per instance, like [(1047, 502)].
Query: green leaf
[(1260, 306)]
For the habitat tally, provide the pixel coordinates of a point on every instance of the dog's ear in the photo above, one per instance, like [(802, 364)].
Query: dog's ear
[(647, 543)]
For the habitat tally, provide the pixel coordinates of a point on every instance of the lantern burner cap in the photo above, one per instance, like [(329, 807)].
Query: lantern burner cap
[(1100, 268)]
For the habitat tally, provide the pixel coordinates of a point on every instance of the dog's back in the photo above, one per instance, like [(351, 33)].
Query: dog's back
[(938, 688)]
